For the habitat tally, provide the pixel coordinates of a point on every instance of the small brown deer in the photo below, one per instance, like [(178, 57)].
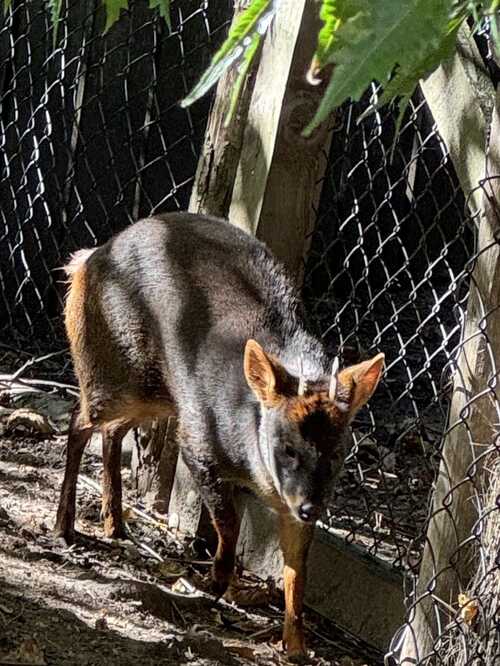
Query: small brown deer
[(187, 315)]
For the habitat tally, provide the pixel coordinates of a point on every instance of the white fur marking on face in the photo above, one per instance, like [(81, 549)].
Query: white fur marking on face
[(302, 380), (341, 406), (333, 379)]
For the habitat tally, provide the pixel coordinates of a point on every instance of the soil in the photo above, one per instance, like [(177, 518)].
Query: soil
[(104, 602)]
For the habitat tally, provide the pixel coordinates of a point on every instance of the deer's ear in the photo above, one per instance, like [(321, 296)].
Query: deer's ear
[(357, 383), (261, 374)]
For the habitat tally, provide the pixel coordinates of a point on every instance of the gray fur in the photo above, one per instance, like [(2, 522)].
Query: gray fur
[(184, 293)]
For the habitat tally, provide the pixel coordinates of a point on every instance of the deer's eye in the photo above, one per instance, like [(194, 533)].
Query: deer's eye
[(290, 452)]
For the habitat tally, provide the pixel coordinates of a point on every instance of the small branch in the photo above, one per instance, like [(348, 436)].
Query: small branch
[(267, 630), (141, 514), (34, 360), (7, 381)]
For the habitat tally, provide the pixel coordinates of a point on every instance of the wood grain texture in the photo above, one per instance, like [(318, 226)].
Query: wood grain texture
[(279, 170), (220, 153)]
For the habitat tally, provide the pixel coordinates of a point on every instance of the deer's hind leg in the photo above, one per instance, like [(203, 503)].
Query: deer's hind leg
[(111, 512), (78, 436)]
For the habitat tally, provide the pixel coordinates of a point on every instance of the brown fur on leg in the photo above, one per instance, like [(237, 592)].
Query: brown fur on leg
[(112, 480), (78, 437), (295, 540), (226, 523)]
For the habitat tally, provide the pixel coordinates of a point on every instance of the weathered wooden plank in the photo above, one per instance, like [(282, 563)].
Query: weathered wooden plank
[(275, 188), (154, 461), (461, 101), (215, 175)]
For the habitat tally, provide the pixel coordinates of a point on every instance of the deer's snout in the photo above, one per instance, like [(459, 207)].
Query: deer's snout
[(308, 512)]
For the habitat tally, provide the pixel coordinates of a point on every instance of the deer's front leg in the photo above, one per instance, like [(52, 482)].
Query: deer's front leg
[(295, 539), (218, 498), (226, 523)]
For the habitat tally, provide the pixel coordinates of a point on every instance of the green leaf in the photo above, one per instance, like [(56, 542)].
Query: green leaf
[(242, 72), (254, 20), (405, 79), (326, 36), (375, 37), (55, 14), (113, 9), (164, 9)]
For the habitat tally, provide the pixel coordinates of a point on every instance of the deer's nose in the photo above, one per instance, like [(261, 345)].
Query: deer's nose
[(308, 512)]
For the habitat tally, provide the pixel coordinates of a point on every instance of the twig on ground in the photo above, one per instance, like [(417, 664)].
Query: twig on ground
[(23, 385), (266, 630), (138, 512), (34, 360), (144, 546)]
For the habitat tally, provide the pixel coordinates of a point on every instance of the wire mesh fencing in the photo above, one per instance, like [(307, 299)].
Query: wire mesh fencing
[(92, 137), (385, 271), (452, 613), (401, 262)]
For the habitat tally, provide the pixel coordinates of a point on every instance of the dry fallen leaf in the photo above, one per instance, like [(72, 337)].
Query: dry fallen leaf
[(240, 648), (248, 596), (183, 586), (101, 624), (128, 515), (29, 420), (469, 608), (173, 521)]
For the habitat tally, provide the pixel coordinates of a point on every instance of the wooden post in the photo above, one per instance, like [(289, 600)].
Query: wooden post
[(278, 173), (154, 458), (261, 169), (214, 181), (461, 102)]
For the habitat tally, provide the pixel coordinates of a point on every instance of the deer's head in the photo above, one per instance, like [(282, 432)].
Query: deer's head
[(302, 436)]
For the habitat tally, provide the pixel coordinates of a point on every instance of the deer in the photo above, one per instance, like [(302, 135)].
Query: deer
[(187, 315)]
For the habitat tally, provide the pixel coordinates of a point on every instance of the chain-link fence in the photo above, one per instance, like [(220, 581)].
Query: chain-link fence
[(453, 613), (398, 263), (385, 272), (91, 137)]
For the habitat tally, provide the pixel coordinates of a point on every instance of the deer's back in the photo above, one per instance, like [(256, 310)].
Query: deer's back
[(167, 305)]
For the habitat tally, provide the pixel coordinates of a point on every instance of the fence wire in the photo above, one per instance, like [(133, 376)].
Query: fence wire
[(91, 138), (394, 265), (385, 272)]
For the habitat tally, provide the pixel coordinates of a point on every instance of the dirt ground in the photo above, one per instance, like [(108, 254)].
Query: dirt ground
[(103, 602)]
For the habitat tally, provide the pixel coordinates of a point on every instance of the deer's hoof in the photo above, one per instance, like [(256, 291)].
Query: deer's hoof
[(221, 575), (218, 586), (297, 657), (64, 535), (294, 646)]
